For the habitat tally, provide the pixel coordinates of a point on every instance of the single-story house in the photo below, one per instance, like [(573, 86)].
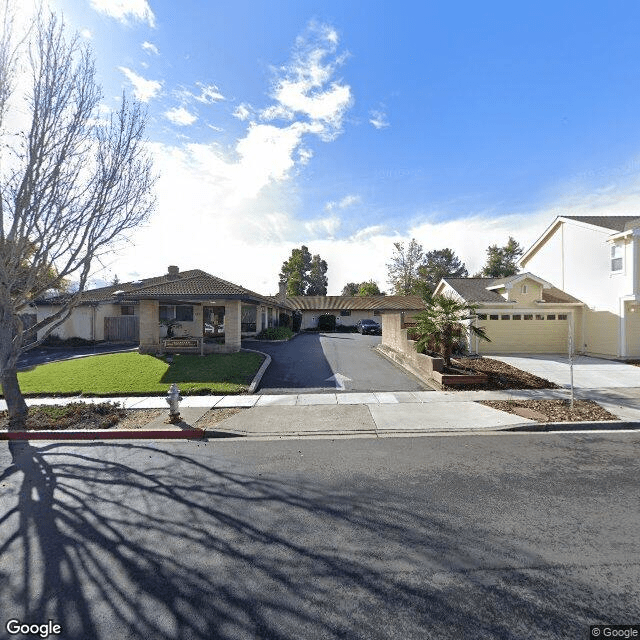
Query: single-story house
[(348, 310), (209, 314)]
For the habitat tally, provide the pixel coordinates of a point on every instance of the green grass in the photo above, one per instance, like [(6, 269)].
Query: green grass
[(122, 374)]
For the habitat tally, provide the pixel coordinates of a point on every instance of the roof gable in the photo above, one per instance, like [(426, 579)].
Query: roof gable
[(483, 290)]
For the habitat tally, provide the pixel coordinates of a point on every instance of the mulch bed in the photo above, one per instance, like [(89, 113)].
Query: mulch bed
[(79, 415), (553, 410), (500, 376)]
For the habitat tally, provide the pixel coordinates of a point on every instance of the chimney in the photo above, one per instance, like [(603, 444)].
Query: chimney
[(282, 291), (173, 270)]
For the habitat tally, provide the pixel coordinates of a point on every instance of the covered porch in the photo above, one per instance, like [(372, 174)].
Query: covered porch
[(170, 325)]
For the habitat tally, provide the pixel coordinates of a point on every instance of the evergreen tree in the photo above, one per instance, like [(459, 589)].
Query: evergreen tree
[(317, 280), (304, 275), (369, 288), (350, 289), (501, 261), (438, 264)]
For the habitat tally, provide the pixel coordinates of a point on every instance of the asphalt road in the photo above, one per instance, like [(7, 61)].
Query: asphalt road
[(313, 361), (42, 355), (514, 537)]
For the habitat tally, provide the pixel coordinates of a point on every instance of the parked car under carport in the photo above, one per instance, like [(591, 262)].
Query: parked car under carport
[(369, 326)]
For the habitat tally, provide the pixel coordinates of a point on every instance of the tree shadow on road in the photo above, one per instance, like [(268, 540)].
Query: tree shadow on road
[(176, 548)]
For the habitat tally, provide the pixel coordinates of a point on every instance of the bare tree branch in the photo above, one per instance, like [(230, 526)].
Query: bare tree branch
[(73, 185)]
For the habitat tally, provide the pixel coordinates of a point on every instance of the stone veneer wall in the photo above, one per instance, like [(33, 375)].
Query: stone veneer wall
[(398, 348), (149, 326)]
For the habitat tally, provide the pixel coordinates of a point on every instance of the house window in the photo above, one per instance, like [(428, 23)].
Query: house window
[(562, 316), (184, 312), (482, 316), (167, 312), (493, 317), (524, 289), (517, 317), (528, 316), (345, 313), (616, 257), (127, 310), (505, 317), (539, 316), (551, 317)]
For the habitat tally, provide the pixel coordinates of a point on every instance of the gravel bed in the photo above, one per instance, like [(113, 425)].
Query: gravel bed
[(553, 410)]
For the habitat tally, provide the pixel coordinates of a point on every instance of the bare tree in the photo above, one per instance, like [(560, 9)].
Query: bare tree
[(71, 184)]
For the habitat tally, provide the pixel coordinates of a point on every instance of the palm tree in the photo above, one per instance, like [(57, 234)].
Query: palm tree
[(439, 323)]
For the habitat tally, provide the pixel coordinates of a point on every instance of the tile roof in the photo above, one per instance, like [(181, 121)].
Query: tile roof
[(364, 303), (615, 223), (193, 285), (475, 290)]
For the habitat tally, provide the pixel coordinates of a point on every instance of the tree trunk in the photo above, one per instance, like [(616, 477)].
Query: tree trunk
[(16, 405), (447, 338)]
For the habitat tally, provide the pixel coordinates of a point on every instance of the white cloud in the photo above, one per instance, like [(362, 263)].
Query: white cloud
[(378, 119), (86, 33), (242, 112), (143, 89), (208, 94), (150, 47), (124, 10), (347, 201), (306, 86), (180, 116)]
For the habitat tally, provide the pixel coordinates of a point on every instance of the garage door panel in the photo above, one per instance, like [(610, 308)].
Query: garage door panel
[(525, 336)]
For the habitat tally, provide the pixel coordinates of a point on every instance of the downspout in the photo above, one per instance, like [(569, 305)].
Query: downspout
[(562, 255)]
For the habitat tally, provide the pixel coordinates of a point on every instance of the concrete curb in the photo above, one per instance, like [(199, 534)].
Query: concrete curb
[(261, 371), (605, 425), (113, 434)]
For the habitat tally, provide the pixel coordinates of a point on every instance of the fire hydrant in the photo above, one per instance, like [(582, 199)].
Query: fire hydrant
[(173, 400)]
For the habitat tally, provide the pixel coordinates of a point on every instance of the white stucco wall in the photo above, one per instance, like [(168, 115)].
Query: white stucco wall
[(577, 259)]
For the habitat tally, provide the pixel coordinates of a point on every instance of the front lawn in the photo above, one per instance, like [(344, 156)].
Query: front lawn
[(122, 374)]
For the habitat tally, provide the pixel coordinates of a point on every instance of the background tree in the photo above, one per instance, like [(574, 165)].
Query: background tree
[(350, 289), (317, 281), (295, 271), (438, 264), (403, 269), (369, 288), (501, 261), (303, 274), (70, 185), (440, 324)]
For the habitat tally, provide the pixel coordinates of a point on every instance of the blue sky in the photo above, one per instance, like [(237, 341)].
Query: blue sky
[(348, 126)]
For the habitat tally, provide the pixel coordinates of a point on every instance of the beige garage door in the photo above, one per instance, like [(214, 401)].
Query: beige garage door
[(525, 333)]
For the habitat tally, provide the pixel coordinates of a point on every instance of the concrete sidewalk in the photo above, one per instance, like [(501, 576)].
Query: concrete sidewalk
[(357, 414)]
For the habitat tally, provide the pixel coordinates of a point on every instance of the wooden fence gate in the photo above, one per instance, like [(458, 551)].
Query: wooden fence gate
[(122, 329)]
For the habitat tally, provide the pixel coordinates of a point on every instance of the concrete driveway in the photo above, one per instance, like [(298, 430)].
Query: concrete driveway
[(588, 372)]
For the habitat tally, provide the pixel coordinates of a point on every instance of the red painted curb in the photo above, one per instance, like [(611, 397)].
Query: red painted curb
[(160, 434)]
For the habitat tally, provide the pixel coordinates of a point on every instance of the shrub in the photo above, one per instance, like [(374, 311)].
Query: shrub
[(326, 322), (57, 341), (284, 320), (275, 333)]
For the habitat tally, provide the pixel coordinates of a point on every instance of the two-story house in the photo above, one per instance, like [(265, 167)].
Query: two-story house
[(580, 285), (595, 259)]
